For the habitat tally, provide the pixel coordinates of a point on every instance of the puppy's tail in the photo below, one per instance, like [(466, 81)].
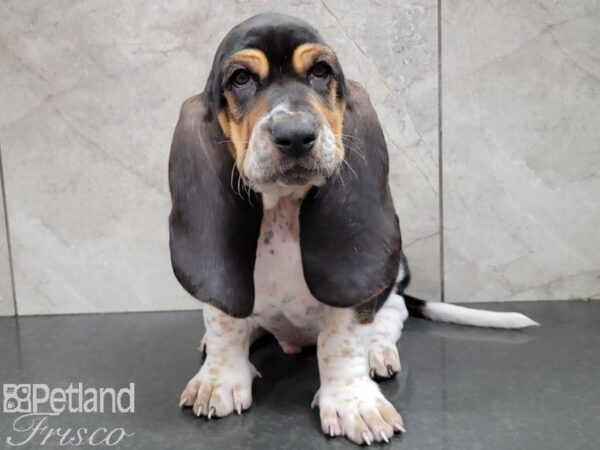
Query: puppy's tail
[(446, 312)]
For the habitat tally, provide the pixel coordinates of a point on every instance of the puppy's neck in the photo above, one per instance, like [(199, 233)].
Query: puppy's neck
[(273, 193)]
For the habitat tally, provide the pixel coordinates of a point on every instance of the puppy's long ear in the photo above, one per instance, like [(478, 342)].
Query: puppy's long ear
[(349, 232), (213, 231)]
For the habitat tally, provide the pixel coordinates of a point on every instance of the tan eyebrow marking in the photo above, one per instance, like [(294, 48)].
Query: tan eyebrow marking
[(306, 55), (251, 58)]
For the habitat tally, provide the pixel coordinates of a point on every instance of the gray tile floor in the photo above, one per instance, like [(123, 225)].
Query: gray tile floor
[(461, 388)]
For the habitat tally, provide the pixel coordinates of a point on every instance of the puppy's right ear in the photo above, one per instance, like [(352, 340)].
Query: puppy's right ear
[(213, 230)]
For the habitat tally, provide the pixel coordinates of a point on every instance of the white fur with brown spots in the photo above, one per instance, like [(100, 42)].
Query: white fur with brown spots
[(350, 401)]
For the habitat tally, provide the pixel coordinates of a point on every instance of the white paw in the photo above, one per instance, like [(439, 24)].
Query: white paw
[(357, 409), (220, 387), (384, 361)]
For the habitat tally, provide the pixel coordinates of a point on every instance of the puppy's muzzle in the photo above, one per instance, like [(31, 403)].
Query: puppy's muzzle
[(290, 148)]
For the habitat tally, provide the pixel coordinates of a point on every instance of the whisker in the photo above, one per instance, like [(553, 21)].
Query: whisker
[(350, 167), (239, 181), (341, 177), (357, 151), (231, 182), (349, 136), (249, 196), (355, 147)]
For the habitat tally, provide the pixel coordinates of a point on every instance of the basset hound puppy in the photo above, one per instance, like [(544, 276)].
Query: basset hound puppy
[(282, 222)]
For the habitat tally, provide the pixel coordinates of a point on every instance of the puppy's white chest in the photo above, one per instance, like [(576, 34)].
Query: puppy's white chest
[(283, 304)]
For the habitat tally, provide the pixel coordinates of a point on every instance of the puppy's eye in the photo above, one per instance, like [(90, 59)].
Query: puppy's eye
[(241, 77), (320, 70)]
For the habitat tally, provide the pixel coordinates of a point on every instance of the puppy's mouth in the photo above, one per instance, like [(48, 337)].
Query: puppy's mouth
[(295, 175)]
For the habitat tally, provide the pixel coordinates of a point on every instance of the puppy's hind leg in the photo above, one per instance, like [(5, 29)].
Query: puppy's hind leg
[(386, 329), (224, 382)]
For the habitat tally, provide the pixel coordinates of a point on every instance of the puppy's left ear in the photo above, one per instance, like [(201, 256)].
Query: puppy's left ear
[(349, 233)]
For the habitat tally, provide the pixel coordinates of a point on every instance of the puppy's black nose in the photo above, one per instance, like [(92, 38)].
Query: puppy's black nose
[(294, 138)]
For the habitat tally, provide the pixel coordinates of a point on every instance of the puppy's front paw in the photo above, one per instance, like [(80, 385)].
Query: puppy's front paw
[(384, 361), (357, 409), (220, 387)]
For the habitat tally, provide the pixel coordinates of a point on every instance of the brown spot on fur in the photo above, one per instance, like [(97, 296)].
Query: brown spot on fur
[(347, 352), (225, 324), (268, 236)]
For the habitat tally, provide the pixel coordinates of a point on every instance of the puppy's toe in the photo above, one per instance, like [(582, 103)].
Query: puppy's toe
[(242, 397), (216, 391), (358, 411), (201, 404), (330, 421), (188, 396), (384, 360)]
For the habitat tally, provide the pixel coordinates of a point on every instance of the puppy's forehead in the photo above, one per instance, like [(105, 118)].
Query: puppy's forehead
[(276, 35)]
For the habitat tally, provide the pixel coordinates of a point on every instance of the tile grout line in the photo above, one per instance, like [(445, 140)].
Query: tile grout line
[(440, 154), (8, 243)]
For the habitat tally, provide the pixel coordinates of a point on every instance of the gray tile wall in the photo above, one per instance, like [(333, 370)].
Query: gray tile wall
[(521, 149), (6, 291), (91, 91)]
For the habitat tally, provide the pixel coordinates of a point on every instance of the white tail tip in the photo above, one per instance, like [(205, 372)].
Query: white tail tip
[(446, 312)]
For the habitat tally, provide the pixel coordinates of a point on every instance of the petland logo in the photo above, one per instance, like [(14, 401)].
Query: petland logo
[(36, 404)]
